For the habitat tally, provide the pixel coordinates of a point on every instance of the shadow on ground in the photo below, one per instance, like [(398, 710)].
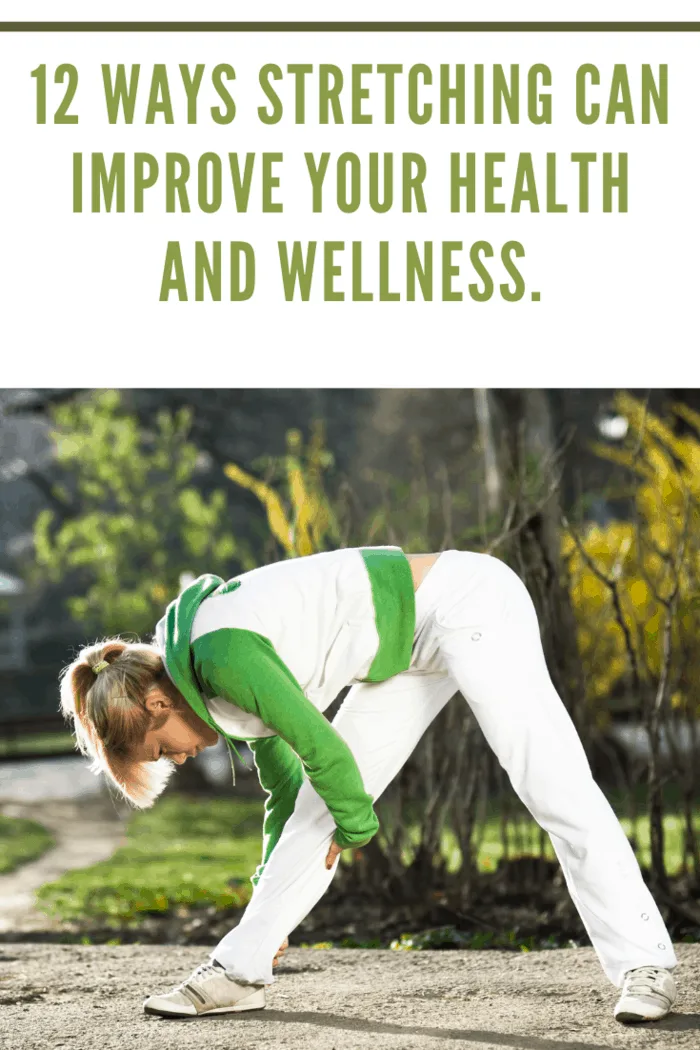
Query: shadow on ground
[(62, 996)]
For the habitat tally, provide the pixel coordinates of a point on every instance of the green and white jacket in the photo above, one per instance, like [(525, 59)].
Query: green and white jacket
[(260, 657)]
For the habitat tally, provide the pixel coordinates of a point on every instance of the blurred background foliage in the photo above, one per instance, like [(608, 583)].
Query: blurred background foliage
[(292, 493), (142, 521), (645, 561)]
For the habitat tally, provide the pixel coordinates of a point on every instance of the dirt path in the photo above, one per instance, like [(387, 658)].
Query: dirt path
[(60, 996), (85, 833)]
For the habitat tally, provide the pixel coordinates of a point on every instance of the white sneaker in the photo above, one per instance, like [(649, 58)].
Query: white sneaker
[(209, 990), (647, 995)]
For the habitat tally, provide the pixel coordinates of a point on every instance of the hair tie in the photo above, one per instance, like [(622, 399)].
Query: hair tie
[(100, 666)]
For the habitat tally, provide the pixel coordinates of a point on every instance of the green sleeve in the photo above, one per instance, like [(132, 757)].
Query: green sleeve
[(281, 775), (243, 667)]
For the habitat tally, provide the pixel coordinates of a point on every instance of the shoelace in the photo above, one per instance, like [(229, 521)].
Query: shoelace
[(643, 981), (207, 969)]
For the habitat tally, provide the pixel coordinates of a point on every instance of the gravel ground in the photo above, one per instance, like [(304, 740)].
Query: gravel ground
[(61, 996)]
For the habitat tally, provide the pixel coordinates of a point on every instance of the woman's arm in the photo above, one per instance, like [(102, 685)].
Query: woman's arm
[(281, 775), (243, 667)]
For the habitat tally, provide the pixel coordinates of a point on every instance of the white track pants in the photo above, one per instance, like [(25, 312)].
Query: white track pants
[(476, 632)]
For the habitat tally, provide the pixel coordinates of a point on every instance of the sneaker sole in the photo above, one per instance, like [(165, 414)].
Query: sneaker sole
[(629, 1018), (205, 1013), (238, 1009)]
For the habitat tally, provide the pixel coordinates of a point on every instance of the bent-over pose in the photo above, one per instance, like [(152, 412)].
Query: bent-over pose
[(261, 657)]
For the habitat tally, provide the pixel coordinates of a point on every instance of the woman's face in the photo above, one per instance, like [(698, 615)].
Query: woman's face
[(176, 733)]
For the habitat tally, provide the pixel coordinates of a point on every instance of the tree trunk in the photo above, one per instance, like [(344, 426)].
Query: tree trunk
[(529, 450), (492, 475)]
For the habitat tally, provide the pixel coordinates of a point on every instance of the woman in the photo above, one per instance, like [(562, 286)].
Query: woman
[(261, 657)]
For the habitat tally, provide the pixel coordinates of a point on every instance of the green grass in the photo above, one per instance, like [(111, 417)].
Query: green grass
[(524, 834), (183, 852), (525, 837), (187, 852), (40, 743), (21, 841)]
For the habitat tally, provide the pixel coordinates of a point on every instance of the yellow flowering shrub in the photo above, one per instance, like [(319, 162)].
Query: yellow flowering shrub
[(299, 514), (646, 556)]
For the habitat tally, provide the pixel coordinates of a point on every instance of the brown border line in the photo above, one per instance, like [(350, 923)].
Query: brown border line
[(349, 27)]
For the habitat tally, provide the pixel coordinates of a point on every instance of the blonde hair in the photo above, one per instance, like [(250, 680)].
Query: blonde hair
[(108, 713)]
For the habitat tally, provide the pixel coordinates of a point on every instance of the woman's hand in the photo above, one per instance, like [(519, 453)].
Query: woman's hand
[(280, 952), (333, 853)]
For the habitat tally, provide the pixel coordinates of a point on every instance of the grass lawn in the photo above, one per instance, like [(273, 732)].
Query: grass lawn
[(524, 838), (38, 744), (181, 852), (21, 841), (188, 852)]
